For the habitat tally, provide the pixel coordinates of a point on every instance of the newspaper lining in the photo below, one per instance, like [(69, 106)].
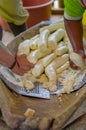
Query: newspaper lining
[(15, 84)]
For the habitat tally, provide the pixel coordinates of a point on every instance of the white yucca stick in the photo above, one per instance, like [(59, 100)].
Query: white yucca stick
[(24, 48), (34, 56), (63, 67), (53, 27), (60, 44), (43, 40), (59, 61), (77, 60), (34, 43), (51, 73), (61, 50), (55, 37), (38, 69), (48, 59)]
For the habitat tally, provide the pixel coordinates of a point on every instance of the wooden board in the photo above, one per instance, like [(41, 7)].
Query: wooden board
[(55, 112), (49, 114), (79, 124), (75, 118)]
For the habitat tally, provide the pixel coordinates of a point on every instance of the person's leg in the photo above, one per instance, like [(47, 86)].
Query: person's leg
[(17, 29), (14, 14), (1, 32)]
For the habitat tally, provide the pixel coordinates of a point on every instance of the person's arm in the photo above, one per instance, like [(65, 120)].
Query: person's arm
[(74, 30), (18, 64), (6, 58), (73, 13), (22, 65)]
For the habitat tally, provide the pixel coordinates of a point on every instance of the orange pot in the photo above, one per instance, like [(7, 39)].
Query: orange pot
[(34, 2), (39, 10)]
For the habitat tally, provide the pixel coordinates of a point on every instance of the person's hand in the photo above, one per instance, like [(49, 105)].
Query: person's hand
[(82, 54), (22, 65)]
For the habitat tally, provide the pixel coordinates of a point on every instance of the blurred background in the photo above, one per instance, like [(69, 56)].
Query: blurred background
[(41, 10)]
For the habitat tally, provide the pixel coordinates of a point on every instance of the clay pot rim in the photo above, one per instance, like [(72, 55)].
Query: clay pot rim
[(39, 6)]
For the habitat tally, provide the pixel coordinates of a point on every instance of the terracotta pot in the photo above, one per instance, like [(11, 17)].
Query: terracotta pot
[(39, 10)]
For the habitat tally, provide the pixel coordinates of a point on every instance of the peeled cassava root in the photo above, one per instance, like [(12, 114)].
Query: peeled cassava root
[(34, 42), (50, 70), (50, 51), (24, 48), (42, 44), (55, 37), (61, 50), (77, 60), (63, 67), (53, 27)]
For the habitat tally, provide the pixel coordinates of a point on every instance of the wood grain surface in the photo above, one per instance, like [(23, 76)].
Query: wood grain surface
[(55, 112)]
